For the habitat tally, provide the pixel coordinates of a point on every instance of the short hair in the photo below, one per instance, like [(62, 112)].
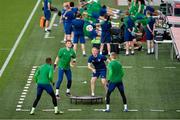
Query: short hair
[(68, 41), (113, 54), (78, 15), (48, 60), (71, 4), (148, 13)]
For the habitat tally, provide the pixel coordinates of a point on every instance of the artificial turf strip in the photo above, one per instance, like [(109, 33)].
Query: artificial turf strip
[(146, 89)]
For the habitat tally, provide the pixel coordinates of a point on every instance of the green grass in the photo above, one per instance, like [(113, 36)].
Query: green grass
[(146, 89)]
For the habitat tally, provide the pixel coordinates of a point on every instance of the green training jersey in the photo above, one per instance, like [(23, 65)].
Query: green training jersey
[(115, 71), (65, 57), (44, 74)]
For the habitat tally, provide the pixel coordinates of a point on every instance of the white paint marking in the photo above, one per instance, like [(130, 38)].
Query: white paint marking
[(24, 93), (20, 102), (26, 87), (72, 110), (4, 49), (170, 67), (148, 67), (81, 66), (22, 99), (23, 96), (177, 110), (19, 38), (18, 109), (32, 74), (154, 110), (50, 26), (25, 90), (25, 110), (48, 110), (19, 106), (29, 82), (98, 109), (30, 77), (133, 110), (34, 67), (128, 67)]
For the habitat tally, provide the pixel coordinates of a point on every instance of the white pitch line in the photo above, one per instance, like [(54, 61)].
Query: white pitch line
[(19, 106), (20, 102), (24, 93), (34, 67), (25, 90), (29, 79), (98, 109), (32, 74), (170, 67), (148, 67), (72, 110), (25, 110), (48, 110), (21, 99), (50, 26), (26, 87), (152, 110), (29, 82), (23, 96), (4, 49), (18, 109), (19, 38), (133, 110), (177, 110)]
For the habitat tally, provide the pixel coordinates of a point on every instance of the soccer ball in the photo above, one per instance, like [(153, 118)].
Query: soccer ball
[(89, 28)]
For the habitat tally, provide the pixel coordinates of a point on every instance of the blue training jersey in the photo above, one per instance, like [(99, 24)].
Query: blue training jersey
[(74, 9), (106, 26), (69, 16), (98, 62), (103, 11), (151, 22), (46, 5), (78, 25)]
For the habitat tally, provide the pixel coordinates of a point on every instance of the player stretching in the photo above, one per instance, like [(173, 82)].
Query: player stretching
[(99, 69), (64, 61), (44, 78), (115, 75)]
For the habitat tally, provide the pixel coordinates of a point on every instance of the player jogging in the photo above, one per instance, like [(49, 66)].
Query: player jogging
[(44, 77), (99, 69), (64, 60), (115, 75)]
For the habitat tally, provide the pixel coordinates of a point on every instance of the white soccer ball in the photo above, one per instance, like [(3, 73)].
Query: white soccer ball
[(89, 28)]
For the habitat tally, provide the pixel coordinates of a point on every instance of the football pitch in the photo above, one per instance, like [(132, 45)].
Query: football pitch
[(152, 86)]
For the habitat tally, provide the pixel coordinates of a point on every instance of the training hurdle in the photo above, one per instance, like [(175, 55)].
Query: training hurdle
[(86, 99)]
